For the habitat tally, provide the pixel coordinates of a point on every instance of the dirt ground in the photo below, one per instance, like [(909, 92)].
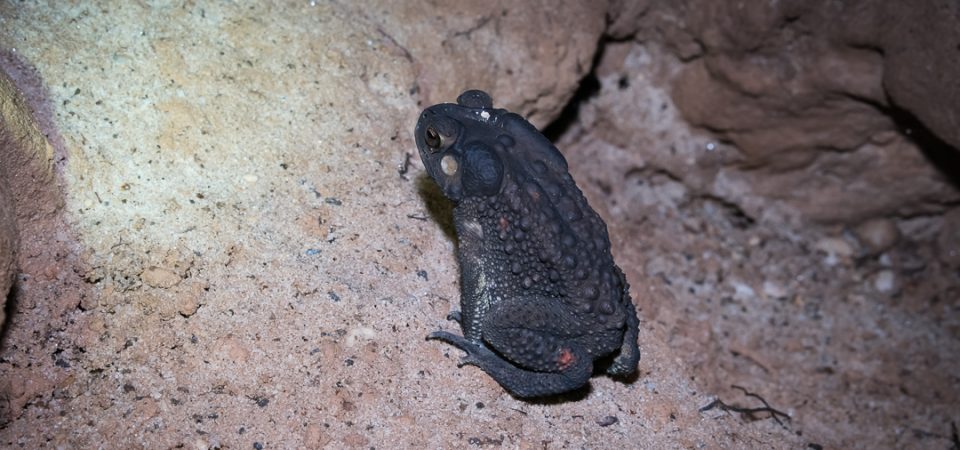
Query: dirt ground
[(226, 240)]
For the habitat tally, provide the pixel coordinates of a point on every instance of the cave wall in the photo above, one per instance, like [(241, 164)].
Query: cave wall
[(844, 111)]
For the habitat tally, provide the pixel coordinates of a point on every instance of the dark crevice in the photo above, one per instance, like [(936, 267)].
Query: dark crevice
[(589, 88), (9, 310), (944, 157), (737, 217)]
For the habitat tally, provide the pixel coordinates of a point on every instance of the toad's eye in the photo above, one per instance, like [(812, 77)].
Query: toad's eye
[(433, 139)]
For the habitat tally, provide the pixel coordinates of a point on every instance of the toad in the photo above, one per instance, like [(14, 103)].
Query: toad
[(542, 301)]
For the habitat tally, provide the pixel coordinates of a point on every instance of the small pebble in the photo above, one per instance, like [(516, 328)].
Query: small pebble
[(187, 305), (312, 436), (877, 235), (607, 421), (773, 289), (742, 290), (835, 248), (159, 277), (885, 281)]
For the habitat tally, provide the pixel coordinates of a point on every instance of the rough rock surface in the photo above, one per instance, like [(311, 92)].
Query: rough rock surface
[(9, 241), (47, 258), (921, 60), (821, 320), (255, 239), (238, 250), (26, 177), (805, 91), (532, 56)]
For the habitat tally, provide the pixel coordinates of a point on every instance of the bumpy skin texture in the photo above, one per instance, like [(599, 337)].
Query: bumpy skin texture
[(541, 299)]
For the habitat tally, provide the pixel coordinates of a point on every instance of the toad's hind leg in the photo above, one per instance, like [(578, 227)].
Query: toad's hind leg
[(518, 381), (543, 357), (626, 361)]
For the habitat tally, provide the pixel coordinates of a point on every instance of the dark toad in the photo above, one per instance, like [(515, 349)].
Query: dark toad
[(541, 298)]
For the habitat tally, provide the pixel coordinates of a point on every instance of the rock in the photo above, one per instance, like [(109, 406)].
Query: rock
[(313, 437), (8, 226), (802, 89), (159, 277), (774, 290), (187, 305), (885, 282), (742, 290), (29, 196), (355, 440), (877, 235), (920, 61), (232, 349), (837, 249), (532, 58), (914, 63), (623, 15)]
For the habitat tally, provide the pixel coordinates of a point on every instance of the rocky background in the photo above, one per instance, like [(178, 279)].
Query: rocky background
[(215, 231)]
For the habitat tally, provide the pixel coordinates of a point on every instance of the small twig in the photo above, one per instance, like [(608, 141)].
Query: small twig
[(404, 165), (749, 412)]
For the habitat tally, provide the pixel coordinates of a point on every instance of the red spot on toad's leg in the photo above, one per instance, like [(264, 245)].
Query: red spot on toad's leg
[(504, 223), (566, 358)]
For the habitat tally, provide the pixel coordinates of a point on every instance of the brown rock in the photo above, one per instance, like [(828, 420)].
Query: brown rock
[(160, 277), (146, 409), (921, 62), (26, 155), (877, 235), (529, 57), (355, 440), (20, 388), (187, 305), (802, 89), (10, 119), (234, 349), (623, 15), (30, 198), (777, 118), (314, 438)]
